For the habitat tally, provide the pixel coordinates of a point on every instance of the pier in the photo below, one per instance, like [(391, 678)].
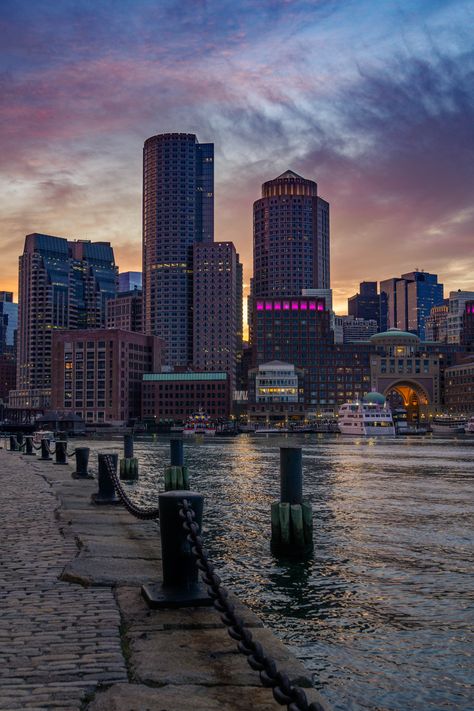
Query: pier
[(75, 630)]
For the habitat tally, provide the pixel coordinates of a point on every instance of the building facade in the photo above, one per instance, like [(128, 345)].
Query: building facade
[(291, 238), (357, 329), (125, 311), (7, 376), (467, 333), (459, 388), (176, 396), (97, 375), (456, 312), (62, 285), (436, 325), (8, 324), (217, 308), (276, 394), (129, 281), (178, 212), (298, 331), (407, 301), (366, 303)]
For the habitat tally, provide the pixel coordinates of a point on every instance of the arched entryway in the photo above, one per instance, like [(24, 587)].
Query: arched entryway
[(410, 396)]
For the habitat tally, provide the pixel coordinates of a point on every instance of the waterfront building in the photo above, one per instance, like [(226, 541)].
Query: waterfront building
[(467, 332), (62, 285), (7, 376), (366, 303), (436, 325), (409, 372), (97, 374), (217, 308), (406, 302), (178, 395), (128, 281), (276, 394), (291, 238), (459, 387), (8, 324), (456, 312), (125, 311), (298, 331), (178, 212), (357, 329)]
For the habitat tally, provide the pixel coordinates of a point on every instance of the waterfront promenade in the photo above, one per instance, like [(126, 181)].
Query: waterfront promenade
[(75, 632)]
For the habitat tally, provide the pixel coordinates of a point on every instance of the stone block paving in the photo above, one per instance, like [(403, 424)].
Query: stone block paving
[(58, 641)]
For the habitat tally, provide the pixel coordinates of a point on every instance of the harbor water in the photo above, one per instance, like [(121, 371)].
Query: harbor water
[(383, 613)]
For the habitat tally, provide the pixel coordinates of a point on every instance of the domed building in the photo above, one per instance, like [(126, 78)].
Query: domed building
[(406, 372)]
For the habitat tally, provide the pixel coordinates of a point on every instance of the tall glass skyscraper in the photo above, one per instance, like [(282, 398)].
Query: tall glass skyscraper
[(291, 238), (406, 302), (178, 212)]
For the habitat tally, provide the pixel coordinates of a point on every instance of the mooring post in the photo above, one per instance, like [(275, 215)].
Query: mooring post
[(176, 475), (82, 461), (181, 586), (60, 452), (129, 463), (29, 446), (291, 517), (106, 493), (45, 450)]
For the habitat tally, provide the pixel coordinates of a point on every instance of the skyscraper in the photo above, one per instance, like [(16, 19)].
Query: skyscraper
[(62, 284), (291, 238), (178, 212), (217, 328), (365, 304), (406, 302), (8, 324)]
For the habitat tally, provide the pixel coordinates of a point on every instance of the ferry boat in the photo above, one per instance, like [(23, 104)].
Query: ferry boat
[(199, 423), (369, 418), (448, 424), (264, 430)]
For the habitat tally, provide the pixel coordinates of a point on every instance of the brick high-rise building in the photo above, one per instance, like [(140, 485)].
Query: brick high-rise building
[(217, 302), (291, 238), (62, 285), (125, 311), (178, 212)]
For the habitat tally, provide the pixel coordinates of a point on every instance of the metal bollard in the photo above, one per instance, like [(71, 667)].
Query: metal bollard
[(106, 493), (128, 446), (177, 454), (291, 517), (181, 586), (82, 461), (13, 444), (61, 452), (29, 446), (45, 450)]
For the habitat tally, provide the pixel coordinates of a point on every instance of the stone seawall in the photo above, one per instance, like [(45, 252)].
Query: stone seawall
[(75, 632)]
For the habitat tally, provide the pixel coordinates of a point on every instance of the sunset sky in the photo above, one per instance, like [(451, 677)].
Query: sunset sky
[(373, 99)]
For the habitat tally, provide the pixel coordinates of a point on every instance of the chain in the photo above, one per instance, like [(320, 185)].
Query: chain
[(283, 690), (143, 514), (71, 454)]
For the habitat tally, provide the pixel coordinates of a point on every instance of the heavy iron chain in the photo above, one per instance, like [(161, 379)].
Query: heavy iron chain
[(20, 446), (143, 514), (48, 448), (284, 692)]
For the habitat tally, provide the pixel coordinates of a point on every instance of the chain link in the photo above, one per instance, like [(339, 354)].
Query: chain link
[(284, 692), (143, 514)]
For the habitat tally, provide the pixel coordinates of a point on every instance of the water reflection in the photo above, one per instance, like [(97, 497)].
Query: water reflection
[(381, 613)]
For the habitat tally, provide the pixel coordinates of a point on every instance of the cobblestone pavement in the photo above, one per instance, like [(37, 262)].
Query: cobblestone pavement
[(58, 641)]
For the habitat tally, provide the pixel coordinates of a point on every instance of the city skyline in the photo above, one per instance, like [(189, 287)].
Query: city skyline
[(372, 103)]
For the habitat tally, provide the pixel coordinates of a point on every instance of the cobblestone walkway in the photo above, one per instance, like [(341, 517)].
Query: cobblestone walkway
[(58, 641)]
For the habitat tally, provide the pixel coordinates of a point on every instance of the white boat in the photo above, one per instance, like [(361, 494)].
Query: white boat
[(199, 423), (268, 430), (369, 418), (42, 434), (448, 424), (470, 426)]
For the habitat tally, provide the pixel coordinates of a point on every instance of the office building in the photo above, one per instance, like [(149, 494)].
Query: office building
[(456, 312), (7, 376), (178, 212), (406, 302), (467, 332), (62, 285), (366, 303), (8, 324), (459, 387), (291, 238), (357, 329), (298, 331), (176, 396), (217, 304), (436, 325), (125, 311), (97, 374), (129, 281), (276, 394)]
